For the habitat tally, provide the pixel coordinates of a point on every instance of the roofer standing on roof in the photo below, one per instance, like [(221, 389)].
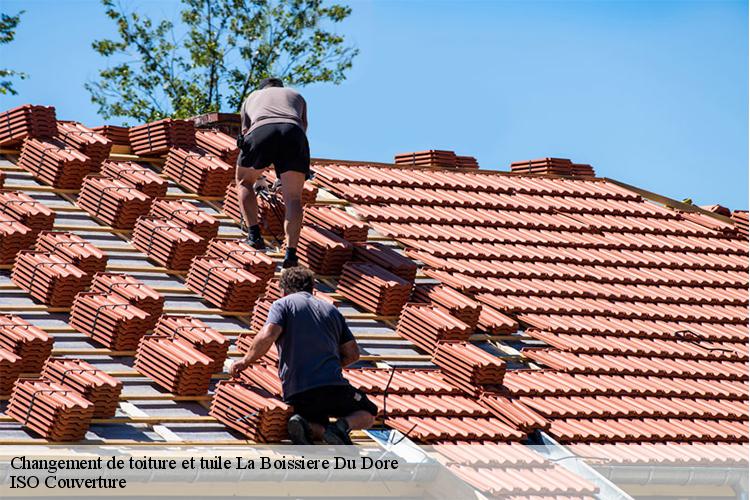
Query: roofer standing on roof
[(274, 124), (314, 344)]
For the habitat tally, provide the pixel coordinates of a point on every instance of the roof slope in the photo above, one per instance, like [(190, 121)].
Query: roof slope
[(643, 309)]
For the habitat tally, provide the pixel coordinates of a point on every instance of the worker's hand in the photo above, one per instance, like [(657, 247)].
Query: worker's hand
[(237, 367)]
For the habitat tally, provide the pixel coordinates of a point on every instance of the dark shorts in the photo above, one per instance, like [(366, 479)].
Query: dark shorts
[(319, 404), (282, 144)]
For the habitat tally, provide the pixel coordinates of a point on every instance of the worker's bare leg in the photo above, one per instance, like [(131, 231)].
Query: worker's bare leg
[(246, 178), (360, 420), (291, 187)]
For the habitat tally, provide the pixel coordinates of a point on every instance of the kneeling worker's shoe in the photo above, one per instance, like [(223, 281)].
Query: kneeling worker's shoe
[(337, 433), (299, 430)]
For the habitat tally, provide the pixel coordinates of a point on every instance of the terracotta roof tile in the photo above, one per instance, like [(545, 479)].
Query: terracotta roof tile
[(27, 121), (202, 337), (251, 411), (109, 320), (48, 278), (114, 202), (136, 176), (168, 243), (156, 138), (53, 162), (429, 430), (21, 338), (199, 172), (56, 412), (95, 146), (174, 364), (93, 384), (225, 285), (133, 291), (187, 215)]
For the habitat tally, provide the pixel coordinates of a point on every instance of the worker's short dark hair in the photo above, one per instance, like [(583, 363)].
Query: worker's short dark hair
[(296, 279), (270, 82)]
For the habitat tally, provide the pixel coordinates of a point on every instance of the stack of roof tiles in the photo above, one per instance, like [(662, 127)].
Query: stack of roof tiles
[(199, 172), (202, 337), (28, 211), (239, 253), (224, 284), (429, 158), (109, 319), (741, 219), (174, 364), (338, 222), (26, 121), (92, 383), (218, 144), (426, 325), (466, 162), (168, 243), (27, 341), (115, 133), (186, 214), (260, 313), (468, 365), (133, 291), (14, 237), (373, 288), (322, 251), (74, 249), (48, 278), (156, 138), (639, 303), (113, 202), (10, 369), (53, 411), (387, 258), (457, 304), (54, 163), (95, 146), (136, 176), (553, 166), (253, 412), (263, 375)]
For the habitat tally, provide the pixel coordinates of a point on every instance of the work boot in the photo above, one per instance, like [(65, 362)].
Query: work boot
[(290, 262), (290, 259), (299, 430), (337, 433), (256, 243)]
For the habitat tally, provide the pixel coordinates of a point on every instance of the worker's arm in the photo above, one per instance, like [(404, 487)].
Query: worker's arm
[(261, 344), (349, 352)]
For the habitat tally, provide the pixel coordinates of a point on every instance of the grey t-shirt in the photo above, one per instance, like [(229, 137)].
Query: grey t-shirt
[(273, 105), (312, 331)]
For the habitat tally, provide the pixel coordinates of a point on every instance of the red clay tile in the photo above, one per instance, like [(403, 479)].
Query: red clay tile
[(54, 163), (74, 249), (29, 342), (239, 253), (115, 133), (27, 121), (426, 325), (218, 144), (134, 175), (168, 243), (224, 284), (95, 385), (174, 364), (187, 215), (48, 278), (53, 411), (251, 411), (95, 146), (113, 202), (201, 336), (133, 291), (156, 138), (338, 222), (23, 208), (109, 319), (199, 172), (373, 288)]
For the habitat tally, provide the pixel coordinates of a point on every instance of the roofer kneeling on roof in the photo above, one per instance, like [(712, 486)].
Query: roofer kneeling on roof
[(314, 344), (274, 124)]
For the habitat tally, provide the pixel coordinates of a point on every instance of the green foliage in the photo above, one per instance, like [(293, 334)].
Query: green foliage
[(8, 26), (215, 55)]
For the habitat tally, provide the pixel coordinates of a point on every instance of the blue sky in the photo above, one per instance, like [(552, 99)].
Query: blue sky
[(650, 93)]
